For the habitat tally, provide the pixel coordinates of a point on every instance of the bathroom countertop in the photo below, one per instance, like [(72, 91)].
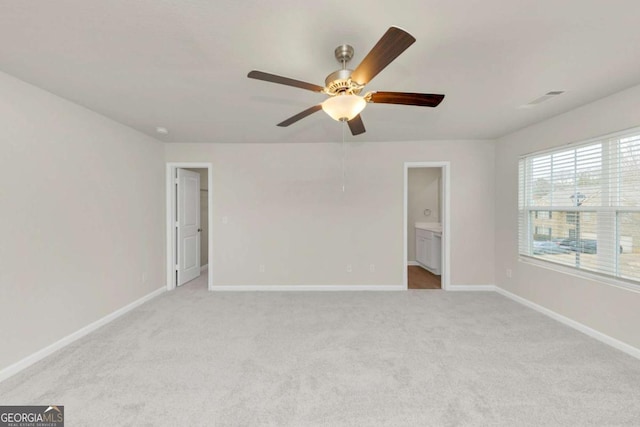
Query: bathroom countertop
[(436, 227)]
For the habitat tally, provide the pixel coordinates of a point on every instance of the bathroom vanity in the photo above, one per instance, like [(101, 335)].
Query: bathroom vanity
[(429, 246)]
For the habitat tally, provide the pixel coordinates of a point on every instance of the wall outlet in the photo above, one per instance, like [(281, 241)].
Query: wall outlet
[(261, 268), (349, 269), (509, 273), (372, 268)]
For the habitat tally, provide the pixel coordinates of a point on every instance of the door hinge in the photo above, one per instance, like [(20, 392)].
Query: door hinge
[(177, 224), (176, 181), (177, 267)]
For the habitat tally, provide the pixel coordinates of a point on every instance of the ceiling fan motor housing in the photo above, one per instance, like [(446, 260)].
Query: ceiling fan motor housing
[(340, 81)]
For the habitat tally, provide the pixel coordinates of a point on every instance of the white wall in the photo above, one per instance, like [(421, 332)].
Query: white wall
[(286, 210), (423, 192), (606, 308), (82, 209)]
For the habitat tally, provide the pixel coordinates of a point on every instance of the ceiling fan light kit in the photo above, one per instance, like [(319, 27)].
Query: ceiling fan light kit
[(344, 86), (344, 107)]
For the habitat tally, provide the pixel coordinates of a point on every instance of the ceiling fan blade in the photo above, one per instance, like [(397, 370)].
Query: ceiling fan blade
[(356, 126), (300, 116), (389, 47), (260, 75), (406, 98)]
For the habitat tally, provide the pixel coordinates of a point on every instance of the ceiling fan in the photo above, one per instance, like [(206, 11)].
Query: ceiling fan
[(344, 85)]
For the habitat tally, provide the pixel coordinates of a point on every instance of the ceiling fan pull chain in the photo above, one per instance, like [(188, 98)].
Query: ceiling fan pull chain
[(343, 155)]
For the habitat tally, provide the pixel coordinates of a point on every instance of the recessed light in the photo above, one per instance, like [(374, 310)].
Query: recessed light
[(162, 131)]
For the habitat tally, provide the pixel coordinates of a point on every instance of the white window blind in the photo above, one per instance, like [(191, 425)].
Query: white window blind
[(579, 205)]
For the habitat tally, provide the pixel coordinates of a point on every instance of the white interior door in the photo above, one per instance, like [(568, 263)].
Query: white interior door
[(188, 226)]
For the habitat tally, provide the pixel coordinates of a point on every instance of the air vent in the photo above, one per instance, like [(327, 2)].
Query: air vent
[(547, 96)]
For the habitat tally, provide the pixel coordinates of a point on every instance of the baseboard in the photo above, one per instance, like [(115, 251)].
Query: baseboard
[(278, 288), (204, 267), (412, 263), (41, 354), (622, 346), (472, 288)]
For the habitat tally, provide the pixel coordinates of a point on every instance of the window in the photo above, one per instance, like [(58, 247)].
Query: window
[(579, 206)]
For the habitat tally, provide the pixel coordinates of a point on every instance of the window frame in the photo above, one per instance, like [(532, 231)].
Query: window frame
[(526, 209)]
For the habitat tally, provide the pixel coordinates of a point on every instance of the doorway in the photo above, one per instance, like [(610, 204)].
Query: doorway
[(189, 193), (426, 225)]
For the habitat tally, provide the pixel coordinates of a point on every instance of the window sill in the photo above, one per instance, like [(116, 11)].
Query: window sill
[(607, 280)]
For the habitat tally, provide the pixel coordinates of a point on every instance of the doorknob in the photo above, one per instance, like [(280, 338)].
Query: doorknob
[(199, 230)]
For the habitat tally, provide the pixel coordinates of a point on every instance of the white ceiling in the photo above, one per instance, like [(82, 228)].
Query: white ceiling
[(183, 64)]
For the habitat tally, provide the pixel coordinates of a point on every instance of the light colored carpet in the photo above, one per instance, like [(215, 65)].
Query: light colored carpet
[(416, 358)]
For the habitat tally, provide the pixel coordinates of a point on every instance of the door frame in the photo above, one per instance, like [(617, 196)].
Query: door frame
[(171, 219), (445, 167)]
